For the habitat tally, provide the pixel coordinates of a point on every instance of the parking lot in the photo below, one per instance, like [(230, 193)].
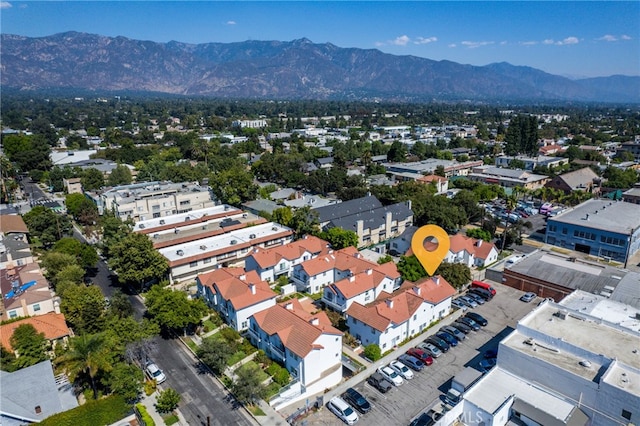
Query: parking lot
[(401, 404)]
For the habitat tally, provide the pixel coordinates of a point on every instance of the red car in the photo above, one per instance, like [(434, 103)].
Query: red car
[(421, 355)]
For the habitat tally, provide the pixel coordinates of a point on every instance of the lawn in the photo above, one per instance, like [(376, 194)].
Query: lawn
[(256, 411), (261, 374), (95, 412), (236, 357)]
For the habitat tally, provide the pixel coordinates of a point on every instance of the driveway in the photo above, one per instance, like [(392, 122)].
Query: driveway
[(400, 405)]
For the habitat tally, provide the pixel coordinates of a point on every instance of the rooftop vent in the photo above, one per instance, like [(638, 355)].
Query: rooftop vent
[(203, 247), (252, 236), (234, 242), (274, 228), (142, 226), (187, 219), (245, 215), (180, 252), (161, 221), (585, 363), (156, 235)]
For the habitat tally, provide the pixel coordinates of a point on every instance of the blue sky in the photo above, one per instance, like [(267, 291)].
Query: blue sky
[(581, 39)]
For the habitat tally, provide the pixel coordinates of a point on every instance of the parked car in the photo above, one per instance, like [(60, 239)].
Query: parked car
[(459, 304), (401, 369), (390, 374), (425, 419), (451, 340), (438, 343), (340, 408), (468, 301), (421, 355), (460, 326), (477, 298), (471, 323), (454, 332), (357, 400), (491, 353), (412, 362), (431, 349), (528, 297), (155, 373), (379, 382), (487, 364), (477, 318), (485, 294)]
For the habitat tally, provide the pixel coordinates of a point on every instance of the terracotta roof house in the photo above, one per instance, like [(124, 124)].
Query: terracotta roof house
[(32, 394), (25, 292), (272, 262), (236, 294), (306, 344), (470, 251), (363, 287), (583, 179), (53, 325), (311, 276), (441, 183), (395, 317)]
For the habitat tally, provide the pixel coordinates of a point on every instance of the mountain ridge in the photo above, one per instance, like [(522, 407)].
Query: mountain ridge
[(299, 69)]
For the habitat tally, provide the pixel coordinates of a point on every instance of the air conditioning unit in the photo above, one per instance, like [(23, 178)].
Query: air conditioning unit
[(245, 215), (234, 242), (156, 235), (142, 226), (203, 247), (252, 236), (274, 228), (161, 221), (180, 252)]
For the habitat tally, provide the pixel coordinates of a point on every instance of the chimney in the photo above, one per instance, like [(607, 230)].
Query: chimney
[(314, 321), (252, 288), (289, 306), (479, 243), (242, 277), (352, 278), (369, 271), (416, 289), (389, 303), (436, 279)]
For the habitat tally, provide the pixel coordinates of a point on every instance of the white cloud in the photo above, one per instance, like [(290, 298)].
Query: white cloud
[(5, 5), (452, 45), (401, 41), (625, 37), (475, 44), (608, 37), (503, 43), (231, 22), (528, 43), (568, 40), (547, 41), (422, 40)]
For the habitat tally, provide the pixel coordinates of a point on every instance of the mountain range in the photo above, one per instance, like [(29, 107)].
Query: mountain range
[(299, 69)]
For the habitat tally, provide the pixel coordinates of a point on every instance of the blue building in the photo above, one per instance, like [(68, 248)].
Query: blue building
[(603, 228)]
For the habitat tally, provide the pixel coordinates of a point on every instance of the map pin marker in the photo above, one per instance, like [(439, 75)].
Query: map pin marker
[(430, 260)]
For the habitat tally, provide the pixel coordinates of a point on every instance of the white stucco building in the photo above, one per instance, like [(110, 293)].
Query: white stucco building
[(305, 343)]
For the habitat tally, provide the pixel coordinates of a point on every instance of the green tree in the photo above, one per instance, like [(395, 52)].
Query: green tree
[(397, 153), (82, 209), (456, 274), (340, 238), (167, 401), (373, 352), (125, 380), (233, 186), (135, 260), (88, 356), (71, 273), (215, 354), (92, 179), (47, 225), (29, 345), (247, 386), (83, 308), (86, 256), (53, 262), (282, 215), (7, 360), (304, 221), (479, 233), (172, 310), (121, 175), (410, 268), (385, 259)]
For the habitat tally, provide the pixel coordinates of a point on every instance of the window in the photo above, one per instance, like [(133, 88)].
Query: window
[(415, 317), (384, 345), (626, 414), (13, 314), (207, 260), (564, 231), (184, 203), (193, 264), (36, 307), (244, 324)]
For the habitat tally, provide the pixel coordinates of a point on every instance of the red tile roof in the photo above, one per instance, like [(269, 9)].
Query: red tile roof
[(271, 256), (294, 326), (359, 283), (478, 248), (347, 259), (52, 325), (235, 285)]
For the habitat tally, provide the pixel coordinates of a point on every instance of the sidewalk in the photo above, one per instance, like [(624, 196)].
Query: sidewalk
[(149, 403)]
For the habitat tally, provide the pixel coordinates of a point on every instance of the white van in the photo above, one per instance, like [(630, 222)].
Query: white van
[(343, 410)]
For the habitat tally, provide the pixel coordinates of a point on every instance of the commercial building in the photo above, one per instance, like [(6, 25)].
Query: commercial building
[(602, 228), (508, 178), (531, 163), (632, 195), (585, 180), (189, 259), (572, 363), (147, 200), (430, 165)]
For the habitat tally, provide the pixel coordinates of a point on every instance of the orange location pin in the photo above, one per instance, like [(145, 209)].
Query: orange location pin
[(430, 260)]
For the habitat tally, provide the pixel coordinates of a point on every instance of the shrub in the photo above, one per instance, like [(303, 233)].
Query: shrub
[(230, 335), (146, 418), (149, 387), (373, 352), (103, 411), (262, 358), (167, 401), (280, 374)]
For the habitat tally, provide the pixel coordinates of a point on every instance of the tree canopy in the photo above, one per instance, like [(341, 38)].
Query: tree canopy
[(135, 260), (172, 310)]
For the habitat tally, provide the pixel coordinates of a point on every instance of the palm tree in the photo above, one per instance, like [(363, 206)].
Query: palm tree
[(89, 354)]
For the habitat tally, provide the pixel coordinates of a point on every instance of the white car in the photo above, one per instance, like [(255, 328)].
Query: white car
[(340, 408), (401, 369), (391, 375), (155, 373)]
